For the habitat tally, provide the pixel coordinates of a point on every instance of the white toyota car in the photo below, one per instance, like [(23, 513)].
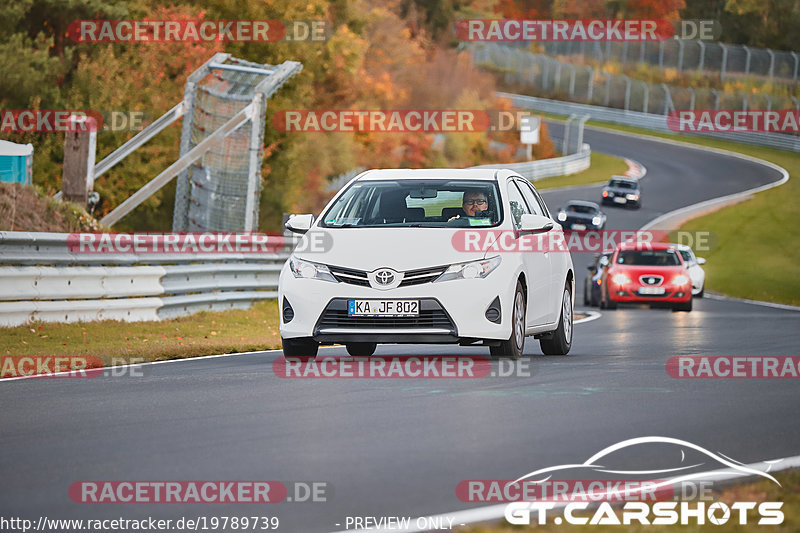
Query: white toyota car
[(428, 256)]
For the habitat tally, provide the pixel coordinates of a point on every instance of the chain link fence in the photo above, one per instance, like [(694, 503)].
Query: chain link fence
[(685, 55), (582, 83)]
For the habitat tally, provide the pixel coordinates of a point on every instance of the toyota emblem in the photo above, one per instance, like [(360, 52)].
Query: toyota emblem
[(384, 277)]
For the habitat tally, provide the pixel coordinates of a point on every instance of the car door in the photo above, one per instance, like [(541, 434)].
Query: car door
[(558, 259), (536, 263)]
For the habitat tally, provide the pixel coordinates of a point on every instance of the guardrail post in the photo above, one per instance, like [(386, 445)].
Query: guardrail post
[(79, 154)]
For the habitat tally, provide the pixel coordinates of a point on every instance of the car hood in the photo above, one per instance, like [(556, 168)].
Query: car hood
[(397, 248)]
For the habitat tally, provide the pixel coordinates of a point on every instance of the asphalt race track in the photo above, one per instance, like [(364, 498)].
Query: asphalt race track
[(400, 446)]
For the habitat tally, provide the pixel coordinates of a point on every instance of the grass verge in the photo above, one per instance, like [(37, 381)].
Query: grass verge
[(205, 333), (757, 251), (759, 491), (602, 167)]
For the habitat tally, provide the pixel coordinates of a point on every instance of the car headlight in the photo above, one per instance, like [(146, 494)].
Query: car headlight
[(562, 216), (471, 270), (680, 280), (596, 221), (309, 270), (632, 196), (620, 279)]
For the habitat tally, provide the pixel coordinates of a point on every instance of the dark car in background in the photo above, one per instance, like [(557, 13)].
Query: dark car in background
[(593, 284), (579, 215), (623, 191)]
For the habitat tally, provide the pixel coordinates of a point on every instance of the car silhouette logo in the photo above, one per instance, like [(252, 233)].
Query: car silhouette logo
[(384, 277)]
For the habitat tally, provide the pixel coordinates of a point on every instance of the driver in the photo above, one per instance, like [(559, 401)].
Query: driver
[(472, 203)]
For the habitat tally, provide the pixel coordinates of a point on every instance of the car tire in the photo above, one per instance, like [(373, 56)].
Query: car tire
[(513, 347), (304, 348), (611, 306), (683, 306), (701, 293), (361, 349), (561, 340)]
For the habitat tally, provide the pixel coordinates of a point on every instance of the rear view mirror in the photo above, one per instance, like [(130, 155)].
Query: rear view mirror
[(300, 223)]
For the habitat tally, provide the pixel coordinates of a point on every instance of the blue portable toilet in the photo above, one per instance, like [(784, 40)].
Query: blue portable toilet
[(16, 162)]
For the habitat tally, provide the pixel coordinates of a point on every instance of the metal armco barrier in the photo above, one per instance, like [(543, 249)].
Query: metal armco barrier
[(546, 168), (645, 120), (41, 279)]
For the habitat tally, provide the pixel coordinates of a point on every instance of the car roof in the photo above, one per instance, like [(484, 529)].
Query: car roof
[(583, 202), (646, 246), (486, 174)]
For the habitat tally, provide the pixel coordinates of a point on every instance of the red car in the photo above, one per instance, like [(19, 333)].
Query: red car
[(652, 273)]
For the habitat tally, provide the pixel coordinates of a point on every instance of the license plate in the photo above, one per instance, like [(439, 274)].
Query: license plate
[(651, 290), (579, 227), (383, 307), (620, 200)]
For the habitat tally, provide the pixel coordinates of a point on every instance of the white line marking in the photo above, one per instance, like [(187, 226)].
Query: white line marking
[(495, 512), (723, 298)]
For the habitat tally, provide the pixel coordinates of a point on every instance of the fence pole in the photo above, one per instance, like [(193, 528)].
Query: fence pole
[(771, 63), (646, 96), (680, 54), (590, 83), (748, 55), (572, 82), (661, 54), (701, 63), (724, 61), (692, 98), (608, 88), (794, 72), (627, 92)]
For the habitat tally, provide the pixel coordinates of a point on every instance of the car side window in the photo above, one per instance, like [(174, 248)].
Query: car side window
[(516, 202), (534, 202)]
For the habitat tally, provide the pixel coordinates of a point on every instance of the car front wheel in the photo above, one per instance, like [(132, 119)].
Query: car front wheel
[(561, 340), (512, 348)]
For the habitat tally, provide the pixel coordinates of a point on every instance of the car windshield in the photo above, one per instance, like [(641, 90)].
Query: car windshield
[(416, 203), (586, 209), (622, 184), (648, 258)]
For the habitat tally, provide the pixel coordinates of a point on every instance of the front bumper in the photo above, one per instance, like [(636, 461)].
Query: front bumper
[(450, 312), (629, 293)]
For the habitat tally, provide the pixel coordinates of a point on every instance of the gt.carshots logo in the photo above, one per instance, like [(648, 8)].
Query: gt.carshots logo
[(539, 497), (564, 30)]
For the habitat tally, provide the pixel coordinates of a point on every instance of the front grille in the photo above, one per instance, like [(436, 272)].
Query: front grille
[(431, 315), (349, 275), (410, 277), (423, 275), (651, 279)]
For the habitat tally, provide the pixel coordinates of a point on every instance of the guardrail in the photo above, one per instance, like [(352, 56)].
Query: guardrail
[(645, 120), (41, 279), (546, 168)]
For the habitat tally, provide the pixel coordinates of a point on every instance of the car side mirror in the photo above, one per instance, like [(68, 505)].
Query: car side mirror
[(701, 260), (530, 223), (299, 223)]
